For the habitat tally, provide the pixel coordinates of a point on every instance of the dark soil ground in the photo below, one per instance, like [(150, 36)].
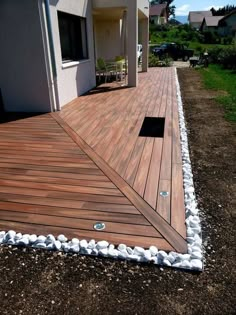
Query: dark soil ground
[(39, 282)]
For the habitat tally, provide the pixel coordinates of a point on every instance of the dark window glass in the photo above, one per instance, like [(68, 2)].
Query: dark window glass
[(73, 37)]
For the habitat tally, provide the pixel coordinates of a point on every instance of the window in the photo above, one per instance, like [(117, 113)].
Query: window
[(73, 37)]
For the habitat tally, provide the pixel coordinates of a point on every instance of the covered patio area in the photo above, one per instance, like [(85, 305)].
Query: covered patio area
[(119, 26)]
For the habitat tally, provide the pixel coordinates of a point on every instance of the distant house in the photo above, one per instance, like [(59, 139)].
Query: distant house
[(195, 18), (227, 25), (210, 23), (158, 14)]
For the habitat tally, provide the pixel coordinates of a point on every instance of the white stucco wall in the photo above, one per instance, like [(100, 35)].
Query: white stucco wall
[(23, 77), (77, 79), (107, 39)]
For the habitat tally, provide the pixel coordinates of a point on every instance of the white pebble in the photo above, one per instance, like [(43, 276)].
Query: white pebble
[(162, 254), (50, 238), (75, 248), (24, 241), (103, 251), (112, 252), (41, 239), (171, 258), (122, 247), (185, 264), (40, 245), (166, 262), (196, 264), (50, 246), (57, 245), (83, 244), (32, 238), (62, 238), (11, 241), (18, 236), (139, 251), (153, 250), (75, 241), (65, 246), (10, 234), (123, 254), (196, 255), (91, 244), (147, 255), (102, 245), (129, 250)]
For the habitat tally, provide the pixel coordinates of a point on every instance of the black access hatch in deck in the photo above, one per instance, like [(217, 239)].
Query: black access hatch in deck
[(153, 127)]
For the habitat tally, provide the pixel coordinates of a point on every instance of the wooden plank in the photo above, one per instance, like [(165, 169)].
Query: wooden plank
[(163, 203), (83, 164), (177, 200), (61, 153), (142, 172), (130, 240), (118, 228), (46, 151), (64, 195), (35, 143), (58, 169), (62, 188), (57, 175), (114, 217), (78, 160), (133, 164), (61, 181), (176, 154), (151, 189), (72, 204)]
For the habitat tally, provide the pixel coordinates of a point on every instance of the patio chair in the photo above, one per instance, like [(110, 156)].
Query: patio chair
[(121, 68), (105, 69)]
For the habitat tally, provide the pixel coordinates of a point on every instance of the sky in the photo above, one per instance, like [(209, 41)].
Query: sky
[(184, 6)]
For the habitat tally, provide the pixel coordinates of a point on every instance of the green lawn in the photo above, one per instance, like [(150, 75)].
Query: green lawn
[(217, 78)]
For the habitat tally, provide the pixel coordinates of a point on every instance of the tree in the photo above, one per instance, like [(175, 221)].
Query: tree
[(224, 10), (170, 8)]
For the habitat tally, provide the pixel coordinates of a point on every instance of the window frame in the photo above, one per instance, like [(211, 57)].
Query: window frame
[(75, 26)]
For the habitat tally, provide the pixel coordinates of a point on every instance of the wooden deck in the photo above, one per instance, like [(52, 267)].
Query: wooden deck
[(62, 172)]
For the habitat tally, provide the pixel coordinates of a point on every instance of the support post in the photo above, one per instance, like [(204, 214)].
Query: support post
[(145, 41), (132, 21)]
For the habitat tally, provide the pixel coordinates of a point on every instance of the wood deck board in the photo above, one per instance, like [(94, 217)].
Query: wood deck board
[(60, 173)]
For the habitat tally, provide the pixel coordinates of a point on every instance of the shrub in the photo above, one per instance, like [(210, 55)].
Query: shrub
[(153, 61), (214, 54), (227, 58), (167, 62), (227, 40), (199, 49), (211, 38)]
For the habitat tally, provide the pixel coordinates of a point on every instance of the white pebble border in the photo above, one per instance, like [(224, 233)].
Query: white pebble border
[(192, 260)]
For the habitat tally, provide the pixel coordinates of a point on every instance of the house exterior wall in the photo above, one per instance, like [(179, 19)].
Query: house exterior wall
[(155, 19), (73, 79), (107, 39), (195, 25), (230, 26), (213, 29), (23, 75)]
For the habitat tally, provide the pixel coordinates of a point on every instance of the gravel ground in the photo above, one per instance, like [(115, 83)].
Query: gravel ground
[(39, 282)]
